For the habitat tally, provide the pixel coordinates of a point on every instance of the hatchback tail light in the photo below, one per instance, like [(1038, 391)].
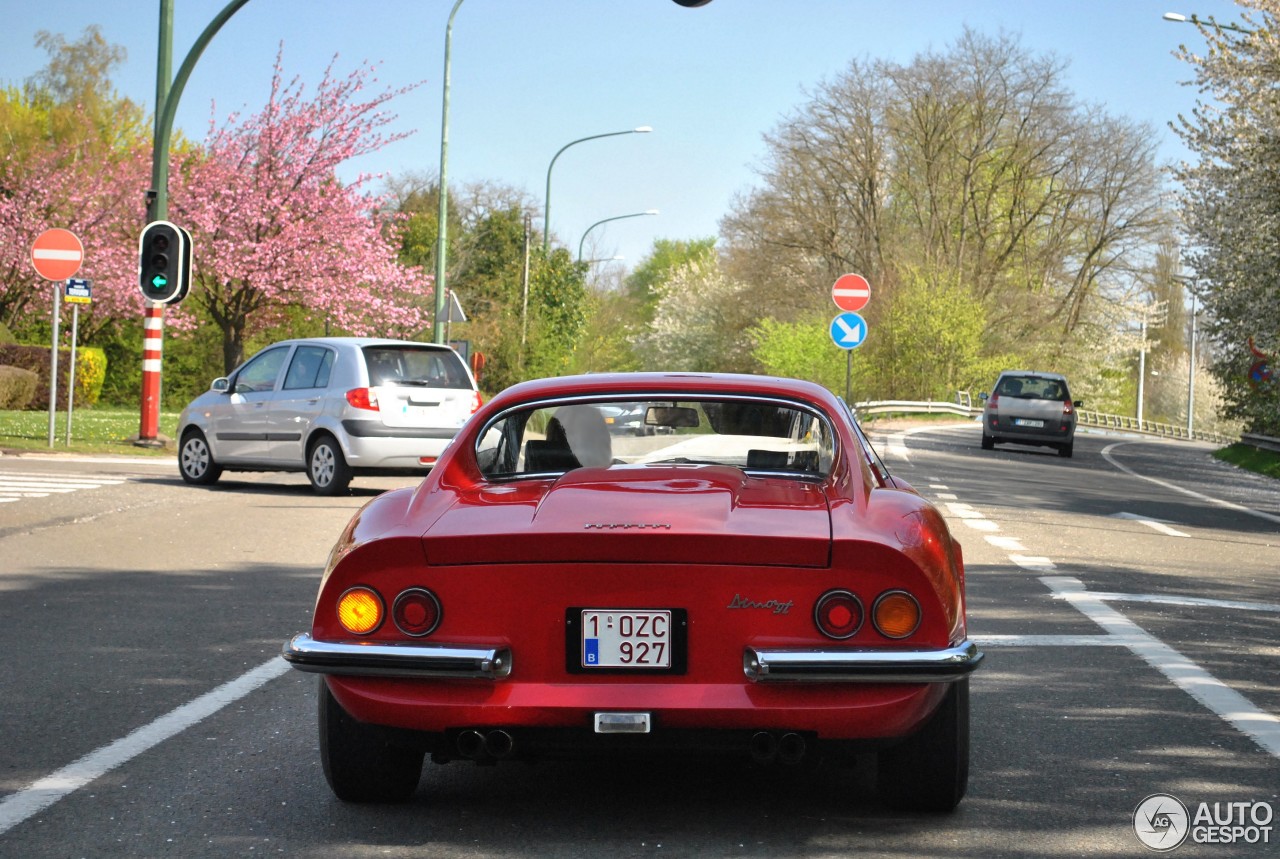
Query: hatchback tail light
[(476, 402), (363, 398), (993, 402), (1067, 408)]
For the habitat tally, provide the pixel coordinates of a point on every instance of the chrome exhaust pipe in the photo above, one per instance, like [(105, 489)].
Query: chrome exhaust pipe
[(471, 744), (499, 743), (791, 748), (763, 747)]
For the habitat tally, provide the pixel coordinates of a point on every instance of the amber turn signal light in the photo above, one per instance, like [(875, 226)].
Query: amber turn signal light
[(360, 610), (896, 614)]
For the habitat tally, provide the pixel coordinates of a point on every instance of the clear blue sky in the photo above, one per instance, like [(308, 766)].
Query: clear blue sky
[(531, 75)]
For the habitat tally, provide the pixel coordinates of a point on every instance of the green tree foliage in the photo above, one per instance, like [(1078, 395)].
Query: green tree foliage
[(803, 350), (667, 257), (1228, 205), (970, 169)]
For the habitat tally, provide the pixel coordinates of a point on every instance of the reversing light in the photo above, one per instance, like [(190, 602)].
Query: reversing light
[(416, 612), (838, 614), (1067, 407), (896, 614), (360, 610), (363, 398)]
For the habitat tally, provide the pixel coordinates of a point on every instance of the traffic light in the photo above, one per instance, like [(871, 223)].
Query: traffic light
[(164, 262)]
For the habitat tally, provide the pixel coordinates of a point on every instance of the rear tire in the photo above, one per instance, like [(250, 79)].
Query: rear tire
[(929, 771), (327, 468), (359, 764), (195, 460), (988, 442), (1066, 449)]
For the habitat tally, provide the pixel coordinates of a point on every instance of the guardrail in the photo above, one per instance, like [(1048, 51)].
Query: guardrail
[(1085, 417), (1262, 442)]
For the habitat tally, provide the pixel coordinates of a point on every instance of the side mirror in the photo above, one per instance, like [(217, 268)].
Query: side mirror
[(220, 385), (1078, 403), (984, 396)]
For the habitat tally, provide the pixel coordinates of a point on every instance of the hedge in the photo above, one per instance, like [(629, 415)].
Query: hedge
[(17, 387), (91, 370)]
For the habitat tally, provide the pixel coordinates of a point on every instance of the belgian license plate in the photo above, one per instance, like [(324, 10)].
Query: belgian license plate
[(623, 638), (1024, 422)]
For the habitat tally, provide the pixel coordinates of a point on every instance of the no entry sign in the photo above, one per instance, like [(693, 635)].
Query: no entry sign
[(57, 254), (851, 292)]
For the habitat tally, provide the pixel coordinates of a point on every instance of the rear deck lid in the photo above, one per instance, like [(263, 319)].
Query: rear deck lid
[(693, 514)]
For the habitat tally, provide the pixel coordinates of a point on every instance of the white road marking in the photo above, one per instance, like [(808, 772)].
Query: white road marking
[(1035, 563), (1217, 696), (1155, 524), (1009, 544), (1106, 454), (1198, 602), (28, 484), (1048, 640), (981, 524), (31, 800)]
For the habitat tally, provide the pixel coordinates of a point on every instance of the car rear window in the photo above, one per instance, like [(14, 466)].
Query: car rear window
[(754, 435), (415, 366), (1032, 388)]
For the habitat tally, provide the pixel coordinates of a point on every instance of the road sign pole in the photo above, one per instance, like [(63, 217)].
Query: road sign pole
[(71, 371), (848, 377), (53, 366)]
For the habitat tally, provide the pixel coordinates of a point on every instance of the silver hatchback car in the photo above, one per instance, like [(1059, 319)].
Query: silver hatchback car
[(332, 407), (1030, 408)]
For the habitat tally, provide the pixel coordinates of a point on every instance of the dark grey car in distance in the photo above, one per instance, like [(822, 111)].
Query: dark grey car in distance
[(1027, 407)]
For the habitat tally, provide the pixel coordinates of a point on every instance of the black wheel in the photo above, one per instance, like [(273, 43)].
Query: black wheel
[(195, 460), (327, 468), (988, 442), (1066, 449), (929, 771), (359, 764)]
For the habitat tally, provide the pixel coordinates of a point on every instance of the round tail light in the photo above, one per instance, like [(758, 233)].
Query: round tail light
[(416, 612), (360, 610), (896, 614), (838, 614)]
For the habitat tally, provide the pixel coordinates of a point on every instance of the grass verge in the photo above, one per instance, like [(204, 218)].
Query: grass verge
[(1249, 457), (96, 430)]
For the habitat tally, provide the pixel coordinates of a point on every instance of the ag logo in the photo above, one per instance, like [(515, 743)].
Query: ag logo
[(1160, 821)]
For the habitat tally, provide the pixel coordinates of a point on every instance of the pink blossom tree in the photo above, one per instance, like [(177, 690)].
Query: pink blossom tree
[(70, 185), (275, 230)]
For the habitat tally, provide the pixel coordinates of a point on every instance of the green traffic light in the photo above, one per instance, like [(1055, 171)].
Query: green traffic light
[(159, 281)]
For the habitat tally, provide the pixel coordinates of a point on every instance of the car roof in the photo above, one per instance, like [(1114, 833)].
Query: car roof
[(1033, 374), (360, 342), (634, 385)]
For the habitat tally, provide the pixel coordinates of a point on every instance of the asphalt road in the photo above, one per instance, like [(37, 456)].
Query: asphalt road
[(1132, 631)]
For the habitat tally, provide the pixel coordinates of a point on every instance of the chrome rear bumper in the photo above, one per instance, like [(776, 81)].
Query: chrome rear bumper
[(861, 666), (397, 660)]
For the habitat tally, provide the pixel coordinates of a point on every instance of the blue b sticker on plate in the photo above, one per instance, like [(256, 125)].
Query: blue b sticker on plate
[(591, 651)]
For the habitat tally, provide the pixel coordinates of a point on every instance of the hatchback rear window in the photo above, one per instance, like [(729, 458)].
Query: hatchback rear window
[(1032, 388), (407, 365)]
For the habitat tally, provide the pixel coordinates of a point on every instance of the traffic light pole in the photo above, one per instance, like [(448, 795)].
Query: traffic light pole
[(167, 96)]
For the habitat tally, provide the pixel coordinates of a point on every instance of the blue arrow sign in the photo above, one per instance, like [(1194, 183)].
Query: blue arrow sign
[(848, 330)]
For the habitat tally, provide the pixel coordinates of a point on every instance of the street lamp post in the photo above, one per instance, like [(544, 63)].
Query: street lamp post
[(1179, 18), (546, 210), (607, 220), (442, 225)]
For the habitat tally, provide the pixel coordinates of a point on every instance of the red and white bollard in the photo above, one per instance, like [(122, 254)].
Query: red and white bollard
[(152, 339)]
